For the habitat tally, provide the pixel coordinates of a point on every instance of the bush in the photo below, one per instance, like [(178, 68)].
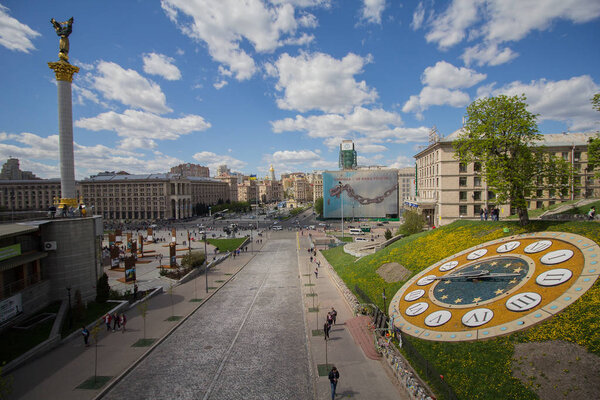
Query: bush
[(102, 289), (193, 260), (413, 223), (387, 234)]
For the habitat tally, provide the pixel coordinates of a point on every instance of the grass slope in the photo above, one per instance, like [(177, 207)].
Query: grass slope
[(476, 370)]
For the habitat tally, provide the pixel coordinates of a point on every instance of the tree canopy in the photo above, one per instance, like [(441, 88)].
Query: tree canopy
[(502, 135), (594, 143), (319, 206)]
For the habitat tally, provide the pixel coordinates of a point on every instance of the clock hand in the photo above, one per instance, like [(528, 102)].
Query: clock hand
[(483, 274)]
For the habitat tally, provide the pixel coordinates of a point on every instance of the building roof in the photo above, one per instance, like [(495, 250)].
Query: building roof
[(8, 230), (141, 177), (204, 179)]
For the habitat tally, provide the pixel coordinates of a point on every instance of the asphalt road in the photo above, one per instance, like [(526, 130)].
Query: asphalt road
[(247, 342)]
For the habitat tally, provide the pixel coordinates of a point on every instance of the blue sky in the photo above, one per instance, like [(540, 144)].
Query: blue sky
[(253, 83)]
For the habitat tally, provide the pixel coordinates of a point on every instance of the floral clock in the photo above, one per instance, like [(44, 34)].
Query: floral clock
[(497, 287)]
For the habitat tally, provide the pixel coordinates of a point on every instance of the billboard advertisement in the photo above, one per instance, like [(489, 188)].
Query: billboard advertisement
[(364, 193)]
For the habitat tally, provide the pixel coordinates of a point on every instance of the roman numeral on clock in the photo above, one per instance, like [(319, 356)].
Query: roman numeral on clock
[(477, 317), (416, 309), (554, 277), (523, 301)]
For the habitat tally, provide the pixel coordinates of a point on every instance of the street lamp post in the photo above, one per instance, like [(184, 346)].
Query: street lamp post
[(384, 298), (342, 201), (205, 263)]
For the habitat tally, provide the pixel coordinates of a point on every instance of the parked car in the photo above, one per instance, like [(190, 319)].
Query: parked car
[(277, 228)]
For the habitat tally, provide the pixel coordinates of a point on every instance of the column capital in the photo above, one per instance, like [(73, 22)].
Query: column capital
[(63, 70)]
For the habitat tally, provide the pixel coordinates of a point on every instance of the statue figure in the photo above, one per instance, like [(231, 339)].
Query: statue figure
[(63, 29)]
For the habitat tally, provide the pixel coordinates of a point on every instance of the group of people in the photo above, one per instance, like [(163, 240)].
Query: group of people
[(493, 212), (119, 322)]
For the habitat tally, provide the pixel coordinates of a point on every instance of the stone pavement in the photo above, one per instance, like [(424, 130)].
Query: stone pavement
[(57, 374), (252, 339), (360, 376)]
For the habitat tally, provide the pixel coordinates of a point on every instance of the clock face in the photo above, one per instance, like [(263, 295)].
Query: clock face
[(497, 288)]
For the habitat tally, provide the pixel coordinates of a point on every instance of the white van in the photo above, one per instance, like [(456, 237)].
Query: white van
[(356, 231), (361, 239)]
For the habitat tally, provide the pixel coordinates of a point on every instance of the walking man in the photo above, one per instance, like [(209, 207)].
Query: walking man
[(317, 273), (116, 323), (334, 375), (86, 335), (107, 322), (333, 314), (123, 320), (326, 328)]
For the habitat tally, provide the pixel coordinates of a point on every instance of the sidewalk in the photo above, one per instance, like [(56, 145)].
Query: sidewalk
[(360, 376), (57, 374)]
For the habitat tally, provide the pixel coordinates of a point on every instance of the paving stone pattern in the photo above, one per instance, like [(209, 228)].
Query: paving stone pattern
[(247, 341)]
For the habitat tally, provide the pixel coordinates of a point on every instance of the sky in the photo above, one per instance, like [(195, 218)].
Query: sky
[(255, 83)]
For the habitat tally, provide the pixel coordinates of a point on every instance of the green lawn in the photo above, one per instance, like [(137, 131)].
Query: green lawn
[(22, 341), (227, 244), (467, 367)]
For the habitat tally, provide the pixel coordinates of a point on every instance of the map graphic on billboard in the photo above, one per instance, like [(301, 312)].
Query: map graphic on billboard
[(365, 193)]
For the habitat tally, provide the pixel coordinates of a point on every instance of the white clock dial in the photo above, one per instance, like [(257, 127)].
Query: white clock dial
[(416, 309), (426, 280), (438, 318), (414, 295), (538, 246), (523, 301), (448, 266), (554, 277), (509, 246), (556, 257), (477, 317), (477, 254)]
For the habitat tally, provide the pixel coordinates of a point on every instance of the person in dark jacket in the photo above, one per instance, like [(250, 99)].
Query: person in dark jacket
[(334, 376)]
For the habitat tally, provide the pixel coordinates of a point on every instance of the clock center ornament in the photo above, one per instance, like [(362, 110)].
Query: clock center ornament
[(497, 288)]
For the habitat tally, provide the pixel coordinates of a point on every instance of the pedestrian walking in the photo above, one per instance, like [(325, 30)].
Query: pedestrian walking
[(334, 376), (317, 273), (326, 328), (333, 315), (329, 318), (592, 213), (86, 335), (123, 321), (310, 258), (107, 322), (135, 291), (116, 323)]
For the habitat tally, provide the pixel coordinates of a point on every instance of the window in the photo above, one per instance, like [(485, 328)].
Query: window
[(462, 196), (539, 193), (552, 193), (462, 167), (491, 195), (477, 167), (477, 196), (539, 204), (565, 155), (477, 181), (462, 210), (462, 181), (477, 209)]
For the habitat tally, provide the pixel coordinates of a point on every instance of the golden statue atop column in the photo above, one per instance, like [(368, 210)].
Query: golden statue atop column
[(64, 76)]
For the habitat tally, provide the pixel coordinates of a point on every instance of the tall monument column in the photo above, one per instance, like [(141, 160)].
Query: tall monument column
[(64, 77)]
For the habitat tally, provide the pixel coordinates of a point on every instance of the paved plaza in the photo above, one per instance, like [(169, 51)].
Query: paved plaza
[(248, 341)]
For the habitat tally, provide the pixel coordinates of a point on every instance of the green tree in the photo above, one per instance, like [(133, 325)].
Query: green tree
[(193, 260), (319, 206), (387, 234), (596, 102), (413, 223), (594, 143), (102, 289), (502, 135)]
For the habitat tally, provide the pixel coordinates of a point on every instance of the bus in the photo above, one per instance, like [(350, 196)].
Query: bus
[(356, 231)]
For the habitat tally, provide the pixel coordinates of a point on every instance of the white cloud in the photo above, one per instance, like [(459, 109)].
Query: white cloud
[(320, 82), (213, 160), (295, 156), (432, 96), (129, 87), (566, 101), (14, 35), (159, 64), (372, 10), (40, 155), (488, 54), (220, 84), (362, 120), (141, 129), (224, 24), (499, 21), (446, 75), (418, 17), (449, 28), (402, 162)]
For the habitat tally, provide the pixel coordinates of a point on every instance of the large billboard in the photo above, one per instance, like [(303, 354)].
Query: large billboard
[(364, 193)]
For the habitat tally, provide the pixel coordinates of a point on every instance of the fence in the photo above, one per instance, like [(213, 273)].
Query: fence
[(431, 373)]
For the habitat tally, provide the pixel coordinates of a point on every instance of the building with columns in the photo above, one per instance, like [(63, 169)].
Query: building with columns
[(27, 195), (270, 191), (448, 190), (138, 197), (191, 170)]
